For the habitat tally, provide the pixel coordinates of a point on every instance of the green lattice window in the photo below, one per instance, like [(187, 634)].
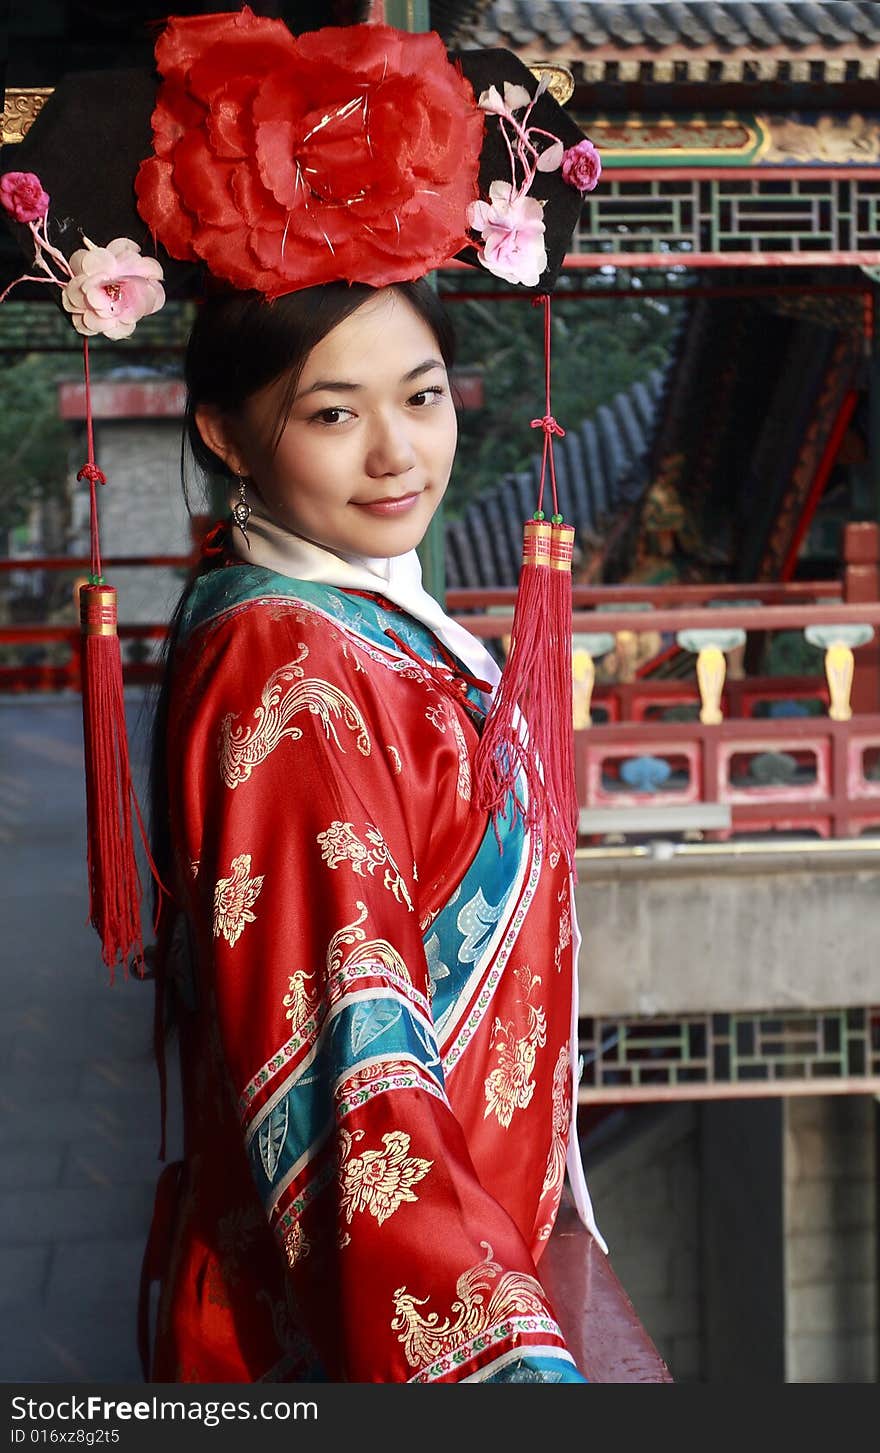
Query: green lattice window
[(789, 215), (777, 1051)]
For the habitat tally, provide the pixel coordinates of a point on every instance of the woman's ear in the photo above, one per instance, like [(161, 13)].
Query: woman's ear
[(216, 433)]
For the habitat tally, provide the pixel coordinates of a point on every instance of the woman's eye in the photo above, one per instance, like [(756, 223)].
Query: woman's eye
[(331, 416), (427, 396)]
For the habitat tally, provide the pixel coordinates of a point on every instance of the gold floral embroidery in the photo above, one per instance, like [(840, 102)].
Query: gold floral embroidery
[(464, 765), (564, 927), (395, 758), (555, 1172), (510, 1086), (367, 1074), (244, 748), (300, 1002), (427, 1338), (436, 716), (341, 844), (295, 1244), (378, 1181), (194, 867), (233, 900)]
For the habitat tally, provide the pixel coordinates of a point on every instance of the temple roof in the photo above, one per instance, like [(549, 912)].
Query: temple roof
[(722, 26), (601, 470), (688, 40)]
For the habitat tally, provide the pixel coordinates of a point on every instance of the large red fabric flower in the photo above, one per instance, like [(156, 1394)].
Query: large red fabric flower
[(346, 153)]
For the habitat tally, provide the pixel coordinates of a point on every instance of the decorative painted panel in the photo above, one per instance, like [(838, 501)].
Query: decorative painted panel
[(792, 139)]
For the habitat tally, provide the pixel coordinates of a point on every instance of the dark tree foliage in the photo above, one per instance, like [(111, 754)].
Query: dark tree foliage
[(34, 442)]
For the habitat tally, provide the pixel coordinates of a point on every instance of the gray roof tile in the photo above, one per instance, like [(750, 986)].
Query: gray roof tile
[(600, 467), (680, 24)]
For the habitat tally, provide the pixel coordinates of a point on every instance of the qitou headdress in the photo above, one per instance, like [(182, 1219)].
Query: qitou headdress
[(276, 162)]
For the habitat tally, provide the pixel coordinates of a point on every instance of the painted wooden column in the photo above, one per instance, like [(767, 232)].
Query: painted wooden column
[(861, 541)]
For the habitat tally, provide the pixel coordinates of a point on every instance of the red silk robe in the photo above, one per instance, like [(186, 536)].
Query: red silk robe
[(376, 1038)]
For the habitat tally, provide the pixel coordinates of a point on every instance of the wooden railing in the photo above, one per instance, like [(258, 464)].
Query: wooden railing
[(730, 770), (818, 772), (63, 639), (601, 1326)]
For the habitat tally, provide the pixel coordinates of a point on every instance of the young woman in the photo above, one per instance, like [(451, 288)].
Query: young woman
[(373, 989), (373, 981)]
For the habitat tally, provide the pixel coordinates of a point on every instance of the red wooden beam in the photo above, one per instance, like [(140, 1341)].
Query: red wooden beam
[(601, 1326), (824, 468), (669, 260), (757, 618), (122, 399), (584, 596)]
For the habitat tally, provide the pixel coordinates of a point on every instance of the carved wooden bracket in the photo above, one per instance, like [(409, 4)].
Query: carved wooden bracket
[(20, 107)]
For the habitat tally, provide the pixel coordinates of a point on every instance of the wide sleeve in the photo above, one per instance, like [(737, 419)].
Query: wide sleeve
[(308, 807)]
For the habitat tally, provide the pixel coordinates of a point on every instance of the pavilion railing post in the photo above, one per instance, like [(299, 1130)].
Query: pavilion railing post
[(861, 585)]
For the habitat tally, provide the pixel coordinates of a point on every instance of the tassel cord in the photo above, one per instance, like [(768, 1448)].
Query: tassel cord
[(115, 892), (527, 739), (93, 474), (450, 678)]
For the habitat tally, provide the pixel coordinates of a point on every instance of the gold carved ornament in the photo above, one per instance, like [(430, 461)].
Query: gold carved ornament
[(20, 109), (561, 82)]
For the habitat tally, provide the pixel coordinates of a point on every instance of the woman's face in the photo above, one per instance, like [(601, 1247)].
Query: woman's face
[(365, 456)]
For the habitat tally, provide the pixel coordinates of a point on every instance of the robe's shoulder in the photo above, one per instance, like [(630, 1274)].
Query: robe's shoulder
[(249, 598), (226, 591)]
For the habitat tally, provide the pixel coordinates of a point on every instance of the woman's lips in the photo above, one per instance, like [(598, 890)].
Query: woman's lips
[(389, 506)]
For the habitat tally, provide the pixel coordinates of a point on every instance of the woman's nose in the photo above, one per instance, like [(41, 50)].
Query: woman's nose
[(390, 449)]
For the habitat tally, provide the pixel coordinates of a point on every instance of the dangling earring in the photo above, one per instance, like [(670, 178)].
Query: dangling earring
[(242, 511)]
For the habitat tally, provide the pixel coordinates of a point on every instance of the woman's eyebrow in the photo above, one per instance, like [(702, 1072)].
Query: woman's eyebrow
[(336, 385)]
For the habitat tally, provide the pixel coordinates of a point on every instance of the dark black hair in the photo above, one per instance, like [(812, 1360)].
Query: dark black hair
[(238, 345)]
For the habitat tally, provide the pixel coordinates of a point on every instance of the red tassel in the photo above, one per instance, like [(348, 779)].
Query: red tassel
[(507, 746), (114, 884), (529, 727), (560, 751)]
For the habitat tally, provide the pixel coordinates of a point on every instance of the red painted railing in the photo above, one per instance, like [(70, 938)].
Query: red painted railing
[(834, 766)]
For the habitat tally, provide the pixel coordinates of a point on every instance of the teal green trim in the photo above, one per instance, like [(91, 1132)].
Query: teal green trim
[(225, 591), (459, 935), (543, 1368), (383, 1027)]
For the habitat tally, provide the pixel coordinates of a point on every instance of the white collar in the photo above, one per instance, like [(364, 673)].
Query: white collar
[(398, 578)]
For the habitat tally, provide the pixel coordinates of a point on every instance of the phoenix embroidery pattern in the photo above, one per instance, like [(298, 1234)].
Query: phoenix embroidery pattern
[(480, 1303), (243, 748)]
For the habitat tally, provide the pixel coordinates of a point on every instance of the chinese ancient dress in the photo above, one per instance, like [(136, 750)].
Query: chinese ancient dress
[(378, 1009)]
